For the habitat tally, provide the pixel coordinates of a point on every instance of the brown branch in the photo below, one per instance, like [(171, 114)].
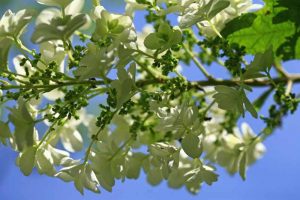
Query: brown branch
[(142, 83), (213, 82)]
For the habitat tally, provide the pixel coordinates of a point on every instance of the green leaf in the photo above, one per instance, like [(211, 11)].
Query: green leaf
[(229, 99), (153, 42), (191, 145), (58, 3), (297, 48), (244, 21), (5, 45), (58, 29), (262, 63), (233, 100), (4, 132), (217, 7), (207, 175), (262, 35), (24, 125), (27, 160), (286, 11), (154, 176), (248, 105), (176, 178), (164, 38), (260, 101), (243, 166)]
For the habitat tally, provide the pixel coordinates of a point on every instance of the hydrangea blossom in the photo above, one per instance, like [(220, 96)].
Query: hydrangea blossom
[(154, 118)]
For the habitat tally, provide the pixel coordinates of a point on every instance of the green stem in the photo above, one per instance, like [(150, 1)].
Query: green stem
[(50, 129), (21, 46), (145, 54), (217, 60), (94, 139), (142, 83), (209, 107), (15, 74), (180, 75), (214, 28), (62, 84), (120, 148), (145, 68), (78, 33), (196, 61), (96, 3)]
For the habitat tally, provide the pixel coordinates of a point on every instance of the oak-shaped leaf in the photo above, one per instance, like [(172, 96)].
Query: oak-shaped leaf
[(262, 35), (233, 100), (164, 38), (262, 63)]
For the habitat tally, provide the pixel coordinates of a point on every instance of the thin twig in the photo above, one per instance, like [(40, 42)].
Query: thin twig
[(196, 61)]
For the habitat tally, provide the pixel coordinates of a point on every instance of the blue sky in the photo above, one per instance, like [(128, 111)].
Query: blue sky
[(276, 176)]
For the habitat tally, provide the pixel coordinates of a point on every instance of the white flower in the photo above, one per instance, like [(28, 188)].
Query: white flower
[(75, 7), (192, 14), (13, 24), (236, 8), (11, 27), (118, 28), (69, 135), (51, 51), (132, 6)]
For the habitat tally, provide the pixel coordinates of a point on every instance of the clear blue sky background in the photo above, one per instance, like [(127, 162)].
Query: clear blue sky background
[(274, 177)]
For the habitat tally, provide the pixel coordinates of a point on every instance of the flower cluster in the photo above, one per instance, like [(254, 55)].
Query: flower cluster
[(93, 85)]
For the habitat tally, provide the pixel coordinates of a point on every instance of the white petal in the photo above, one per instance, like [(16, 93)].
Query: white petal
[(75, 7), (54, 94), (71, 139), (47, 15)]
